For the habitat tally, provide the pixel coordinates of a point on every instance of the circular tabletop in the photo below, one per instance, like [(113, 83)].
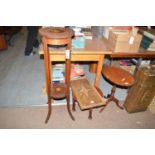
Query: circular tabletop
[(118, 76), (56, 32)]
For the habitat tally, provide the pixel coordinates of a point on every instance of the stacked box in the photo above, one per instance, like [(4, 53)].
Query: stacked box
[(120, 42), (142, 93)]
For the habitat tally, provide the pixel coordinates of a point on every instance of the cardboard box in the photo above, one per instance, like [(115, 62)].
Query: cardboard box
[(124, 42)]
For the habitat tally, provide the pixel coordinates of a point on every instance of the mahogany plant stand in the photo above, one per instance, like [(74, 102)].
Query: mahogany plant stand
[(57, 36)]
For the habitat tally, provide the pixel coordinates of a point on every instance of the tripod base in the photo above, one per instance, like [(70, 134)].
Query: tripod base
[(111, 97)]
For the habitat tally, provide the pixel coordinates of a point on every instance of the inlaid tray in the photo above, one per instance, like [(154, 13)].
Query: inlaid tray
[(86, 94)]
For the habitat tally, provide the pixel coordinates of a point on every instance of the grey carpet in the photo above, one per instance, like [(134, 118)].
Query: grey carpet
[(110, 118), (22, 78)]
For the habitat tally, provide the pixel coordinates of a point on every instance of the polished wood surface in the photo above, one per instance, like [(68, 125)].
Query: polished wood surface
[(118, 76), (140, 54), (98, 46), (56, 33)]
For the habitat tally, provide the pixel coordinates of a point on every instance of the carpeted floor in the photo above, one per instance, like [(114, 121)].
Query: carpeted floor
[(21, 78), (110, 118)]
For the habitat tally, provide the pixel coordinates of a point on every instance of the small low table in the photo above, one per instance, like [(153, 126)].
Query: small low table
[(87, 96)]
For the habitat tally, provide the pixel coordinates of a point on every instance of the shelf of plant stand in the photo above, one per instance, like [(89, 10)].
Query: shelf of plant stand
[(59, 90)]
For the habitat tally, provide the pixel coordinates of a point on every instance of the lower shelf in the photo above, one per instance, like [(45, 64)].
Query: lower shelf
[(59, 90)]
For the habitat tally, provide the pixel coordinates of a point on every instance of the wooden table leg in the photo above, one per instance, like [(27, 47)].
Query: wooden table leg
[(93, 67), (99, 70)]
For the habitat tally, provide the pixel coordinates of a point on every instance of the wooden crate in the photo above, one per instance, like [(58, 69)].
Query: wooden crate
[(141, 94)]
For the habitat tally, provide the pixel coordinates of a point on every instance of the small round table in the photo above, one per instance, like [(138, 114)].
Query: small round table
[(118, 77)]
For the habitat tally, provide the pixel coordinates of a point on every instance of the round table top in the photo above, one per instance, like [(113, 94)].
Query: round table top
[(118, 76), (56, 32)]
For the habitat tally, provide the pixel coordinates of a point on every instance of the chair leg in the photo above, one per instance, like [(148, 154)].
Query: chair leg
[(73, 107), (74, 104), (90, 113)]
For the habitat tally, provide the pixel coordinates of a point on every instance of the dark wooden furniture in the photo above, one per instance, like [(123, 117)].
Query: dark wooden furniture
[(57, 36), (118, 77), (3, 43)]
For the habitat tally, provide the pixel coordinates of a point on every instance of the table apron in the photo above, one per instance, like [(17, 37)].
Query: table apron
[(82, 57)]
